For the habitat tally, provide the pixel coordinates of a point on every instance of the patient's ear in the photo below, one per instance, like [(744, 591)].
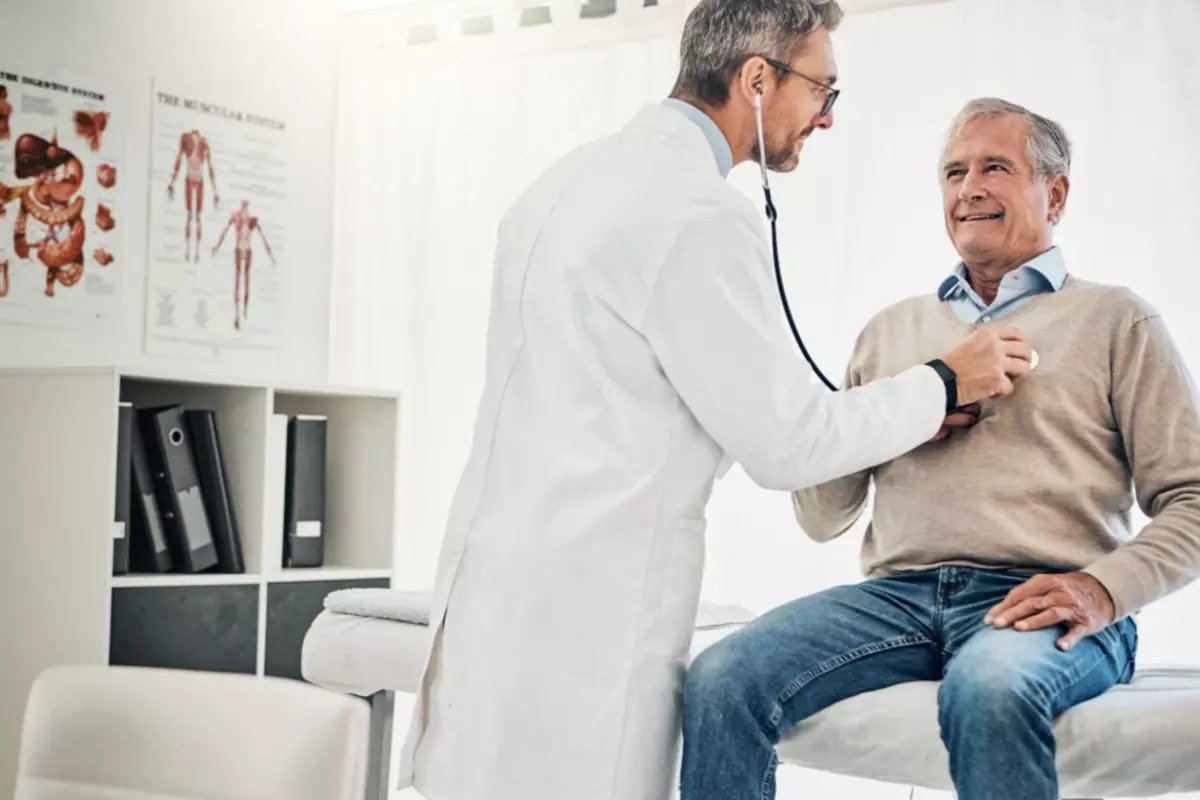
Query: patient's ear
[(1058, 189)]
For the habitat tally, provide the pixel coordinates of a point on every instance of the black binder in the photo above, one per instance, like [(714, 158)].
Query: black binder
[(168, 444), (148, 548), (124, 498), (304, 493), (214, 486)]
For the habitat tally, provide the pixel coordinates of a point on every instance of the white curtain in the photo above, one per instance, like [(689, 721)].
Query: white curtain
[(434, 141)]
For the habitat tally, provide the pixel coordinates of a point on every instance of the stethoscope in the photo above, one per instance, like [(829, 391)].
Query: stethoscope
[(772, 215)]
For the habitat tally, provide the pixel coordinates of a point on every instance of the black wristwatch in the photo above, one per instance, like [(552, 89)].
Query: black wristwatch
[(949, 379)]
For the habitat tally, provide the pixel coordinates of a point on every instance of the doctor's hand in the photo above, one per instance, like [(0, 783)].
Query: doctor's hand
[(1075, 600), (960, 418), (987, 363)]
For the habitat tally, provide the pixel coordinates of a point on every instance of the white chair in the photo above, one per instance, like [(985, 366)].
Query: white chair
[(127, 733)]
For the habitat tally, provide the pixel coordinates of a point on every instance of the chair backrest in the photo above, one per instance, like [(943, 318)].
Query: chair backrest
[(129, 733)]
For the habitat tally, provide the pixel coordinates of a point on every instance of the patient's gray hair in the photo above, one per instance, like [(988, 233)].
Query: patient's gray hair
[(1047, 145), (720, 35)]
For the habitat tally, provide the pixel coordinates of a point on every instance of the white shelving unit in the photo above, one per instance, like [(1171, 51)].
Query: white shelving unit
[(60, 602)]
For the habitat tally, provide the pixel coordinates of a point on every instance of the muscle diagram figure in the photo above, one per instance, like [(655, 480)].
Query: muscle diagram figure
[(244, 225), (90, 125), (5, 113), (196, 150), (51, 200)]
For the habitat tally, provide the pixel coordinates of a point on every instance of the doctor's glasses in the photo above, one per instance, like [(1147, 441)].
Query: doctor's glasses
[(831, 94)]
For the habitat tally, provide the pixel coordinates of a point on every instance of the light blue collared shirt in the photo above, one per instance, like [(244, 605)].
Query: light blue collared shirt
[(716, 139), (1044, 274)]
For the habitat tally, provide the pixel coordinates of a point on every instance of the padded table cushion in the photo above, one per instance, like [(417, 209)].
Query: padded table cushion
[(363, 655), (1140, 740)]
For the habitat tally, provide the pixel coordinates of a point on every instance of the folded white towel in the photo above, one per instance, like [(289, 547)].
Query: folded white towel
[(401, 606), (413, 607)]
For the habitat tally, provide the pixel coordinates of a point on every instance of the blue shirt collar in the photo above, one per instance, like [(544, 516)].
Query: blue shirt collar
[(1049, 267), (716, 139)]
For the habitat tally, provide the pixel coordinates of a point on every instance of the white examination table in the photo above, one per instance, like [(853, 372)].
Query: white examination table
[(1141, 740)]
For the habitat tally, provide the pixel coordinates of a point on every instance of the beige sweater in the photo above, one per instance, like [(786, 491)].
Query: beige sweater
[(1046, 479)]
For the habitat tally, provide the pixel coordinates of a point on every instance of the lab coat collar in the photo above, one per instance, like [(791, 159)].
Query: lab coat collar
[(671, 122), (712, 132)]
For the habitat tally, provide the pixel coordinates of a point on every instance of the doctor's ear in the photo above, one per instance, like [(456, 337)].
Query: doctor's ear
[(753, 78)]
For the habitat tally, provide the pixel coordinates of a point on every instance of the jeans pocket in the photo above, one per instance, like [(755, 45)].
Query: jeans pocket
[(1129, 638)]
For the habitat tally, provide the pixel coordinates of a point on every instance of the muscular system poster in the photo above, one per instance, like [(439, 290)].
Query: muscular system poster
[(60, 217), (217, 264)]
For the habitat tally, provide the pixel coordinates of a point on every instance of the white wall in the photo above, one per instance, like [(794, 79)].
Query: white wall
[(283, 47)]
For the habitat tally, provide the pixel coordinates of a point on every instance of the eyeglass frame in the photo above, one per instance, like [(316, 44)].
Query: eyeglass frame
[(831, 94)]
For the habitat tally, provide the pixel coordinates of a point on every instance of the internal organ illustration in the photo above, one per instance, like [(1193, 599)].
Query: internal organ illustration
[(104, 220), (90, 125), (244, 225), (5, 113), (3, 278), (195, 148), (103, 257), (51, 199), (106, 175)]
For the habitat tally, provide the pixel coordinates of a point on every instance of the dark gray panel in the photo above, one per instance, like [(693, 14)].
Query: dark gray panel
[(594, 9), (211, 628), (477, 26), (291, 608), (535, 15)]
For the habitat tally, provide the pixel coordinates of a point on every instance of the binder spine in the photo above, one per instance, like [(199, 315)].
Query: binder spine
[(124, 490), (304, 493), (214, 486), (149, 549), (184, 517)]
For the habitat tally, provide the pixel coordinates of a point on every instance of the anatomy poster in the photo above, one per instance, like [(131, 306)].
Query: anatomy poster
[(60, 217), (217, 263)]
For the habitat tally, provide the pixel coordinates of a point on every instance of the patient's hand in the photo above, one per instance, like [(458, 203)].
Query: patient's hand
[(961, 418), (1075, 600)]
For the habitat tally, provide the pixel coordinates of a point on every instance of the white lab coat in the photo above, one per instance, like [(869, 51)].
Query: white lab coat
[(635, 340)]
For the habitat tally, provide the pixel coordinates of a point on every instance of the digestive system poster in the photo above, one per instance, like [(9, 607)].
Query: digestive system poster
[(60, 215), (217, 261)]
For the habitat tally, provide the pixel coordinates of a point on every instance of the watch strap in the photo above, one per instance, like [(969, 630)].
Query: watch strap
[(949, 379)]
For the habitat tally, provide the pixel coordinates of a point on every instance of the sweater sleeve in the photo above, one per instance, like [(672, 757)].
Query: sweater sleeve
[(1157, 411), (830, 509)]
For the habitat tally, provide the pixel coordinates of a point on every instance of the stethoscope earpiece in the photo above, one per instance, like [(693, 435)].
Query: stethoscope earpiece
[(762, 145)]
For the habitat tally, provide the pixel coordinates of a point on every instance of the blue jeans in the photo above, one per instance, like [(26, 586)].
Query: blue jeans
[(1000, 692)]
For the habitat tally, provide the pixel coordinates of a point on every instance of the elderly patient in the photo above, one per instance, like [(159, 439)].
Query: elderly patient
[(999, 557)]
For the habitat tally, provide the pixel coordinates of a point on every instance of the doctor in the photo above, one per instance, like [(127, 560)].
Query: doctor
[(635, 341)]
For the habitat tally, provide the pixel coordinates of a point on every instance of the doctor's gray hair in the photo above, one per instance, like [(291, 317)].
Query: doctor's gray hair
[(720, 35), (1047, 145)]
